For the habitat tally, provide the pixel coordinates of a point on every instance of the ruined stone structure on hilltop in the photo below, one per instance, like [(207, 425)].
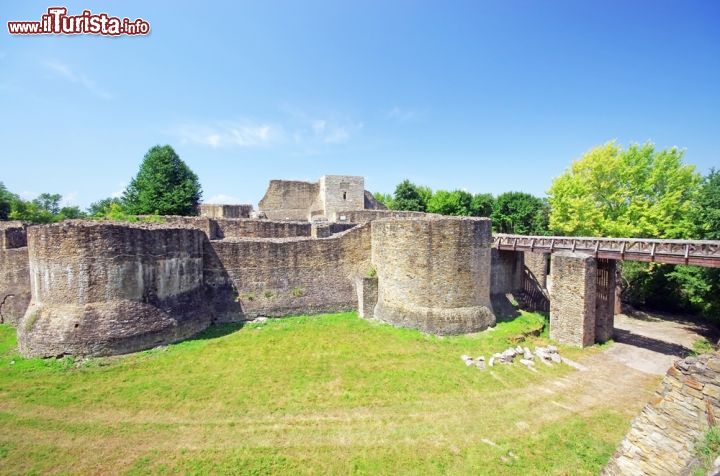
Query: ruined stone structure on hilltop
[(321, 200), (100, 288)]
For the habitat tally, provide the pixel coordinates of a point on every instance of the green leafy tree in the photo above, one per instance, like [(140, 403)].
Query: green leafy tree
[(519, 213), (49, 202), (636, 192), (409, 196), (71, 213), (457, 202), (482, 205), (384, 198), (706, 209), (7, 200), (698, 287), (101, 208), (164, 185)]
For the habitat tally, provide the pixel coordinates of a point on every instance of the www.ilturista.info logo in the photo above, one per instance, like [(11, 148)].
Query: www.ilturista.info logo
[(57, 22)]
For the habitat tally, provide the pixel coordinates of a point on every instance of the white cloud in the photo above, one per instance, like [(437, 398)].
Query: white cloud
[(222, 199), (64, 71), (399, 114), (69, 199), (119, 192), (229, 134)]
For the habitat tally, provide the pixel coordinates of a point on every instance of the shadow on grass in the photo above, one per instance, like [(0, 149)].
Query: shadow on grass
[(217, 330)]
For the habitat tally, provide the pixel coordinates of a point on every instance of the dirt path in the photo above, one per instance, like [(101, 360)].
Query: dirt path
[(628, 371)]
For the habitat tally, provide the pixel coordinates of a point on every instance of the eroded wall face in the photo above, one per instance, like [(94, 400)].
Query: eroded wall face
[(290, 200), (102, 289), (14, 273), (433, 274), (288, 276), (572, 299), (226, 211)]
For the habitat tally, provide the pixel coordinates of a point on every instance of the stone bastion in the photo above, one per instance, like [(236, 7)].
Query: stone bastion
[(433, 273), (101, 289)]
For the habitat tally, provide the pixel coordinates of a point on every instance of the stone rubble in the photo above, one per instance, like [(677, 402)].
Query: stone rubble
[(547, 355)]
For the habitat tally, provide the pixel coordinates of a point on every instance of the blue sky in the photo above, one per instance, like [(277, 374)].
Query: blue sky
[(486, 96)]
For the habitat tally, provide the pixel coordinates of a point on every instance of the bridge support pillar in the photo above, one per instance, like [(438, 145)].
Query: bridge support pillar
[(582, 299)]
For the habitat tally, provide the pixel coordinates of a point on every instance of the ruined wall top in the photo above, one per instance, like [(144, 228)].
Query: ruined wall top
[(316, 201)]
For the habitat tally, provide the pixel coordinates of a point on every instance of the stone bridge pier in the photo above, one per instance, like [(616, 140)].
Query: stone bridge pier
[(576, 288), (582, 298)]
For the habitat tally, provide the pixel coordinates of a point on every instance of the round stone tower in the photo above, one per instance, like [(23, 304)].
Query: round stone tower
[(433, 273), (111, 288)]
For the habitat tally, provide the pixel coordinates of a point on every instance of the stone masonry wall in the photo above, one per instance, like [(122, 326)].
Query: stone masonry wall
[(433, 273), (278, 277), (290, 200), (251, 228), (662, 437), (572, 298), (365, 216), (103, 288), (14, 272), (341, 192), (225, 211)]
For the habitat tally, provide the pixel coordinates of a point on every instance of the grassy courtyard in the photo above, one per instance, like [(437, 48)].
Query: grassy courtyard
[(329, 394)]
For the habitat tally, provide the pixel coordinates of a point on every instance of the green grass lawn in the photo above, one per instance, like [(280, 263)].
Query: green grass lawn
[(330, 394)]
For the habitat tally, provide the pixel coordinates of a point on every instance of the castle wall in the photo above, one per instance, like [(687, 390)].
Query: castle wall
[(661, 439), (278, 277), (107, 288), (14, 272), (433, 273), (341, 192), (225, 211), (365, 216), (250, 228), (289, 200)]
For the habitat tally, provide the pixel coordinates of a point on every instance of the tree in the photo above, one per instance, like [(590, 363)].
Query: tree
[(49, 202), (637, 192), (164, 185), (482, 205), (519, 213), (706, 209), (696, 286), (102, 207), (7, 201), (409, 196), (385, 198), (457, 202)]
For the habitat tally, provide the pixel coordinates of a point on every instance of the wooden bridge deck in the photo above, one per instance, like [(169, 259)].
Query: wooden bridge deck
[(695, 252)]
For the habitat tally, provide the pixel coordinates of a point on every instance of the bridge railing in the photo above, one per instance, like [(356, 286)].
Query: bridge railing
[(696, 252)]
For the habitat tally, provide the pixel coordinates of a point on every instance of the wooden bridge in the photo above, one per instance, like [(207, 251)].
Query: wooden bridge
[(695, 252)]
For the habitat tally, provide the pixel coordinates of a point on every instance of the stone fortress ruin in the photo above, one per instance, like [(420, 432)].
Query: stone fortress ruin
[(94, 288), (98, 288)]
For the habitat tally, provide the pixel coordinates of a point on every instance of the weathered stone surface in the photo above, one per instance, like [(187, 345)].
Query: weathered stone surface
[(365, 216), (14, 272), (572, 299), (225, 211), (433, 273), (367, 290), (248, 277), (295, 200), (104, 288), (661, 439)]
